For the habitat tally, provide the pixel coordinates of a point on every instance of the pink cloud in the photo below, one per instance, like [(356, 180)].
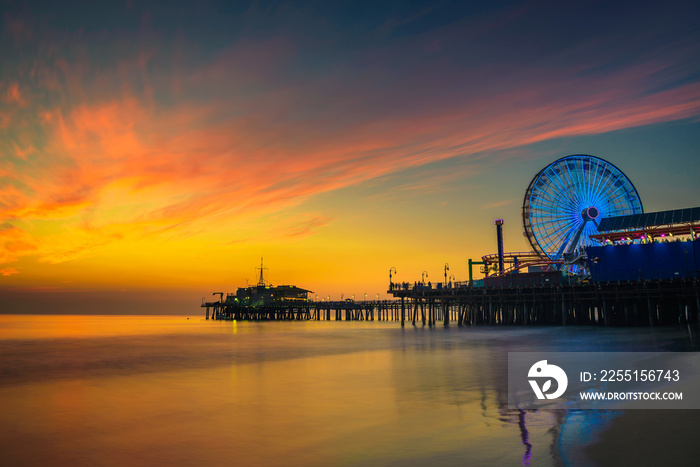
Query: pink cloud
[(246, 134), (303, 227), (13, 95)]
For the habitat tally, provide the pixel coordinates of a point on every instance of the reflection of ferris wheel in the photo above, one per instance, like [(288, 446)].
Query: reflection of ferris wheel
[(565, 201)]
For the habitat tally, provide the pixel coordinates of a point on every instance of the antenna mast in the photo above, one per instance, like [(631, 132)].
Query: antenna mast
[(261, 281)]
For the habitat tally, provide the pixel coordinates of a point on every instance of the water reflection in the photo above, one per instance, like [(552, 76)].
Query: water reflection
[(194, 392), (524, 436)]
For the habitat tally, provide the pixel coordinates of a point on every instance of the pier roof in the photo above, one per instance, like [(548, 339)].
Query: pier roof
[(650, 219)]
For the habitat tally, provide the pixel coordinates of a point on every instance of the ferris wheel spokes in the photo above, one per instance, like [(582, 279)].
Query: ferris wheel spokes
[(565, 200)]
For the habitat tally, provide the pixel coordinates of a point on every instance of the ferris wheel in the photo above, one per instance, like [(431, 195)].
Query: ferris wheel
[(566, 200)]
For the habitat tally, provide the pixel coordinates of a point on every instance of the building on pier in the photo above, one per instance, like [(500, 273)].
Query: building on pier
[(264, 293), (653, 245), (261, 301), (268, 295)]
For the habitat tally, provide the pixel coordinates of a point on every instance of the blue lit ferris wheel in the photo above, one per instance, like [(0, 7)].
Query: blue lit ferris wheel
[(566, 200)]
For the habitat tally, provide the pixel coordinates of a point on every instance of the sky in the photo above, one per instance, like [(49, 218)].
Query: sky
[(152, 152)]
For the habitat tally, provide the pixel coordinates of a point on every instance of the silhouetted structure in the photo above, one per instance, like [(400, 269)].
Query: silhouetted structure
[(618, 303)]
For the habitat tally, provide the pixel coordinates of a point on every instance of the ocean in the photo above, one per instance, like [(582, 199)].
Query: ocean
[(183, 391)]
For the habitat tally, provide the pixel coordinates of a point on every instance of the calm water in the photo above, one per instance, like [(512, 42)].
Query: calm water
[(154, 390)]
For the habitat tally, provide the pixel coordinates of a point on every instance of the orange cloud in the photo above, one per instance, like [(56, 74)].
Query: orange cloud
[(126, 151), (299, 227), (15, 243), (13, 95), (23, 153), (177, 170)]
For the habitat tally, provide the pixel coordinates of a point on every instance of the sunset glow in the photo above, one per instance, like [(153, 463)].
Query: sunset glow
[(160, 151)]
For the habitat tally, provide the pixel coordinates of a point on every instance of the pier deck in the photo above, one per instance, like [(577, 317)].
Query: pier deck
[(632, 303), (624, 303), (381, 310)]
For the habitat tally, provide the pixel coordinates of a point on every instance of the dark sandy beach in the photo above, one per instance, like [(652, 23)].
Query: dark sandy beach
[(648, 437)]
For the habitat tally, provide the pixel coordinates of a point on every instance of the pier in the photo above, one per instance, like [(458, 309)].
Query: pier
[(369, 310), (597, 259), (622, 303)]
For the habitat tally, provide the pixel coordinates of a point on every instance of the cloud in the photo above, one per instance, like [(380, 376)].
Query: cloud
[(13, 95), (499, 204), (15, 243), (18, 28), (161, 137), (304, 227), (8, 271), (23, 153)]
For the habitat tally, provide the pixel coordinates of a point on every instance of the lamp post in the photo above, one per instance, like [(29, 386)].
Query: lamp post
[(391, 269), (452, 278), (447, 268), (423, 276)]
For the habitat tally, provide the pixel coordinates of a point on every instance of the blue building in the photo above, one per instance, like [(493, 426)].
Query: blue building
[(649, 246)]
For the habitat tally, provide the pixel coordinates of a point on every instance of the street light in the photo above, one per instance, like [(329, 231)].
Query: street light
[(390, 269), (423, 276), (447, 268)]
